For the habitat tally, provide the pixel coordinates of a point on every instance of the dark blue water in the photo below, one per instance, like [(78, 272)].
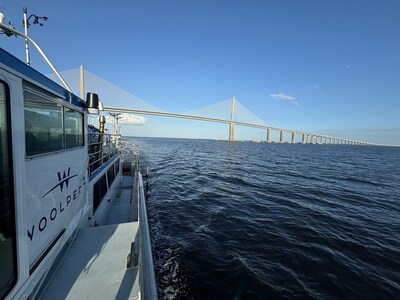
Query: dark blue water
[(265, 221)]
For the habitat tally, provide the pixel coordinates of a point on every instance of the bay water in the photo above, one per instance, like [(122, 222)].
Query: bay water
[(272, 221)]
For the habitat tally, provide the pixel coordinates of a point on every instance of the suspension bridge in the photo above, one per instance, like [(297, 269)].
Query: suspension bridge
[(307, 137), (109, 91)]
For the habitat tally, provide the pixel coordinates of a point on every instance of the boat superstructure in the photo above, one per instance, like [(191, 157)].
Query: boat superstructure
[(72, 212)]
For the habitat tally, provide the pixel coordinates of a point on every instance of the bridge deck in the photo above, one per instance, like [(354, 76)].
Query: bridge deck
[(313, 136)]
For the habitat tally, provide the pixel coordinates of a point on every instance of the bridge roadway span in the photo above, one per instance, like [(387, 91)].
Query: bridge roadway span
[(307, 137)]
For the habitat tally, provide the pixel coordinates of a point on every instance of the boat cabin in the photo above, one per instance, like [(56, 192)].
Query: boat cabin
[(55, 173)]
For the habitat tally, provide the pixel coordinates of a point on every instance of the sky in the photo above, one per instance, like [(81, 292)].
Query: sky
[(330, 67)]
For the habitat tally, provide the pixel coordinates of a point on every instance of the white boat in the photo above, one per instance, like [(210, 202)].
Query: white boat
[(73, 221)]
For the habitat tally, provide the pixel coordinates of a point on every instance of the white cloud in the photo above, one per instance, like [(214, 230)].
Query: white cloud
[(284, 97), (128, 119)]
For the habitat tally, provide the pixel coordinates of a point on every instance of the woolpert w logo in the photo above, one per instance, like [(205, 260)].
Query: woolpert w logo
[(62, 180)]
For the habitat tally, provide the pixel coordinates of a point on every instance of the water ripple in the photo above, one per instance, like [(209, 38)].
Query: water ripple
[(262, 221)]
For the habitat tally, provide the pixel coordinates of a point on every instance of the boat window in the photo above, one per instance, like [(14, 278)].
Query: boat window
[(8, 252), (73, 128), (117, 167), (99, 191), (110, 175), (49, 126), (43, 125)]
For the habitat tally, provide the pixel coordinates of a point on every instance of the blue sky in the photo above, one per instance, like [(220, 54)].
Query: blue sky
[(322, 66)]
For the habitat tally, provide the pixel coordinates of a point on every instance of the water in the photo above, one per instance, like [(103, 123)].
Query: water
[(260, 221)]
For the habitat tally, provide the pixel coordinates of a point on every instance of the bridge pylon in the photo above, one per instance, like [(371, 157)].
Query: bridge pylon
[(232, 124)]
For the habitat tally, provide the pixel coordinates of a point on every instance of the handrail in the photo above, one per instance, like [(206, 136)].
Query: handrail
[(147, 278), (16, 32), (101, 150)]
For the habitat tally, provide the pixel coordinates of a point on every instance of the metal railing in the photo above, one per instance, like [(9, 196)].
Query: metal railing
[(102, 146), (9, 30), (147, 280)]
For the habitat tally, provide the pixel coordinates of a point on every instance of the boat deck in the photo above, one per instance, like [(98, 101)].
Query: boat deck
[(95, 267)]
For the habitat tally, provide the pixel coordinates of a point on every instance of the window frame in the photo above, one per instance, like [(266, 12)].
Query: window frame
[(12, 207)]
